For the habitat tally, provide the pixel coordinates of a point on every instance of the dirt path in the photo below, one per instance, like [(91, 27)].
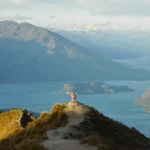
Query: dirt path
[(56, 137)]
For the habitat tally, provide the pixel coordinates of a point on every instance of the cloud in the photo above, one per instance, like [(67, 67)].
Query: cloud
[(18, 17), (93, 7), (65, 11), (4, 4), (116, 7), (105, 7), (18, 2), (22, 2)]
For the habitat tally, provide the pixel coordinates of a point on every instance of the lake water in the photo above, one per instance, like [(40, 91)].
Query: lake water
[(143, 63), (39, 97)]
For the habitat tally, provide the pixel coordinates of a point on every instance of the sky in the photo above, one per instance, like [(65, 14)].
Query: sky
[(60, 13)]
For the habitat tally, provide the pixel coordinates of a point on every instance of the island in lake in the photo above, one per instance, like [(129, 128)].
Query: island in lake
[(144, 100), (93, 88)]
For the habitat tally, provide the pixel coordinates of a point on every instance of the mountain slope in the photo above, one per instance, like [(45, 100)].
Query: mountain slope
[(29, 53), (144, 100), (68, 127), (110, 43), (12, 121)]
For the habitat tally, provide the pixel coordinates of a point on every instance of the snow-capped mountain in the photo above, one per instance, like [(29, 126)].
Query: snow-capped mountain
[(110, 40), (107, 26)]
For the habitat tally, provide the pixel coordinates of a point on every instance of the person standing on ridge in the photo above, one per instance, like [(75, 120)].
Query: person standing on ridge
[(73, 98)]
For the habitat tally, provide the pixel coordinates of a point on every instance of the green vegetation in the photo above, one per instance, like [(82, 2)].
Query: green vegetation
[(92, 140), (95, 129), (108, 134), (95, 140), (10, 122), (93, 88), (30, 137)]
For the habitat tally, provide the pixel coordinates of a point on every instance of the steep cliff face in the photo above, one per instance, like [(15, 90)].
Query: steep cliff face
[(74, 127)]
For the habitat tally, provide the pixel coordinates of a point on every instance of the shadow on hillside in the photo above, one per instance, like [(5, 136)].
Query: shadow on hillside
[(30, 137), (108, 134), (96, 129)]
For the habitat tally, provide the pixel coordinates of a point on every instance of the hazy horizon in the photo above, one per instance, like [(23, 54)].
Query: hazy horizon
[(122, 14)]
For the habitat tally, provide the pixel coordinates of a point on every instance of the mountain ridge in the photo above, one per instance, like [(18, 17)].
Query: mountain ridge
[(111, 44), (65, 126), (33, 54)]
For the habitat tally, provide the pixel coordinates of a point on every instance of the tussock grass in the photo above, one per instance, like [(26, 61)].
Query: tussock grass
[(10, 123), (34, 133), (92, 140), (95, 140), (96, 130), (107, 134), (43, 115)]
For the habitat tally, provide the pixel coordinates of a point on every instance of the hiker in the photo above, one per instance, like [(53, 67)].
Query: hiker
[(73, 98)]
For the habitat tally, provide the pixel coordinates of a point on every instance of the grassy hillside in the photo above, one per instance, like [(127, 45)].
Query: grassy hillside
[(106, 133), (95, 129), (30, 136), (10, 122)]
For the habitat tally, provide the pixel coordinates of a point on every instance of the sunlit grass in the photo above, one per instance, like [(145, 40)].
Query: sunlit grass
[(30, 137), (10, 123)]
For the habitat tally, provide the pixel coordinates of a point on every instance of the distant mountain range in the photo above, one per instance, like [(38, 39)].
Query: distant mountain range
[(105, 26), (29, 53), (110, 43)]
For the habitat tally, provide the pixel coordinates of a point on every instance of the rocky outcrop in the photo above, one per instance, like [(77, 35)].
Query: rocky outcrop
[(144, 100)]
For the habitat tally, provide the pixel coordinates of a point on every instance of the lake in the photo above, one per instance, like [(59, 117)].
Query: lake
[(40, 97)]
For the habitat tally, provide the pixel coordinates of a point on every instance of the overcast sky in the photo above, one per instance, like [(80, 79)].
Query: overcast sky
[(62, 12)]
